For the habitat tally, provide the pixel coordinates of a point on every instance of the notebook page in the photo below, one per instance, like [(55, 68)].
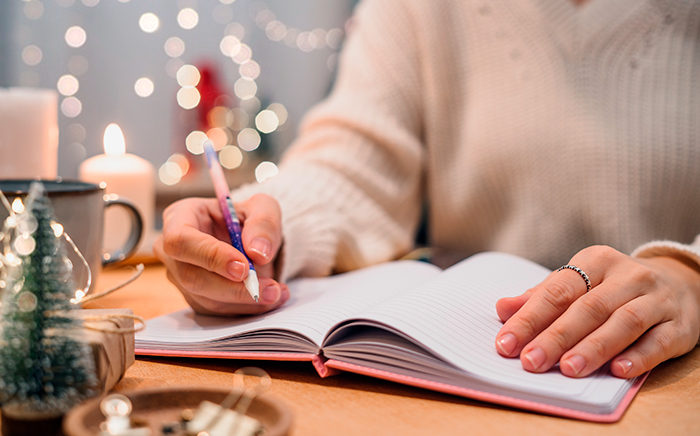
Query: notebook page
[(455, 317), (315, 305)]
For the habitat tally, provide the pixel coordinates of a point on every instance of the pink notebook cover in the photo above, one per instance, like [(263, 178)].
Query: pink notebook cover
[(330, 367)]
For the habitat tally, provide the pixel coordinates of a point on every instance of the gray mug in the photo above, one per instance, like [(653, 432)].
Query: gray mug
[(80, 208)]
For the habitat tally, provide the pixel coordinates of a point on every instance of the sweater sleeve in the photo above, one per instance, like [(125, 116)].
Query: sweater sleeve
[(350, 186), (670, 248)]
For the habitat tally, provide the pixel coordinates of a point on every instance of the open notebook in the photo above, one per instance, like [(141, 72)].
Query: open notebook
[(405, 321)]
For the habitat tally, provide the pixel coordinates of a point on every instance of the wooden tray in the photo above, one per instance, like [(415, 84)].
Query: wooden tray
[(165, 405)]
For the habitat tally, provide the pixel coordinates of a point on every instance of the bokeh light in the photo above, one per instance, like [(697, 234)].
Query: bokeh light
[(32, 55), (170, 173), (265, 171), (218, 137), (248, 139), (33, 9), (195, 142), (149, 22), (230, 45), (244, 54), (188, 18), (71, 107), (75, 36), (237, 119), (144, 87), (67, 85), (249, 69), (217, 117), (188, 97), (266, 121), (188, 75), (280, 111), (231, 157), (174, 47), (245, 88)]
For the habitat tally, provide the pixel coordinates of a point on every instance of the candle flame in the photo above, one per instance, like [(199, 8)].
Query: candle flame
[(114, 140)]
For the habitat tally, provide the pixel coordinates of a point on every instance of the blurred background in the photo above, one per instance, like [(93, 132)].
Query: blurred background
[(242, 72)]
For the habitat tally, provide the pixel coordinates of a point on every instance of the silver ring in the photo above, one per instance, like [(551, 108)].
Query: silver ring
[(580, 272)]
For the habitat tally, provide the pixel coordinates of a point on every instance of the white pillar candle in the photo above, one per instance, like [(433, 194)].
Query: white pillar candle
[(28, 133), (128, 176)]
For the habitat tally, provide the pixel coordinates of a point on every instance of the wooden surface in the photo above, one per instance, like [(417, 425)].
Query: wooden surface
[(348, 404)]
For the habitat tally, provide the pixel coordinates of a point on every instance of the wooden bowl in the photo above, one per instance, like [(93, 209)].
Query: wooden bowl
[(155, 407)]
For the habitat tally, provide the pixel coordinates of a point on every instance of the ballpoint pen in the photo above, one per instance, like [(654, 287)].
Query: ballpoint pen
[(233, 225)]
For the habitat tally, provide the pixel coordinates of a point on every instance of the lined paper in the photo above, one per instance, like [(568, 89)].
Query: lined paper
[(454, 316), (315, 306)]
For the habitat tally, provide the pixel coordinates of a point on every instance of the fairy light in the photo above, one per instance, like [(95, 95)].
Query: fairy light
[(188, 75), (170, 173), (248, 139), (32, 55), (79, 295), (71, 107), (188, 97), (265, 171), (68, 85), (218, 137), (174, 47), (149, 22), (245, 88), (33, 9), (17, 205), (231, 157), (195, 142), (75, 36), (266, 121), (233, 128), (280, 111), (188, 18), (57, 229), (144, 87)]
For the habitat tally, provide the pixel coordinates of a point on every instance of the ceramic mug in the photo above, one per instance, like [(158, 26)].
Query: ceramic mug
[(80, 208)]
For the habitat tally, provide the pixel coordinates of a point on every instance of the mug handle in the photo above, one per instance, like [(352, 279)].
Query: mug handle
[(135, 234)]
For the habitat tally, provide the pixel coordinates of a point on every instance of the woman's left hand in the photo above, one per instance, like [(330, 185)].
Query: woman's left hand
[(638, 313)]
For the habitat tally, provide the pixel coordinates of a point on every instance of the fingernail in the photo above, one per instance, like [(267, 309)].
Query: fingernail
[(536, 357), (576, 363), (285, 294), (625, 365), (507, 343), (237, 270), (261, 246), (271, 294)]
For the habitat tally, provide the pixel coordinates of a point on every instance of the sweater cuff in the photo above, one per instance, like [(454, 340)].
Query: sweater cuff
[(669, 248)]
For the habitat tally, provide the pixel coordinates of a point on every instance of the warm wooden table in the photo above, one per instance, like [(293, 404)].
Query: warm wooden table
[(348, 404)]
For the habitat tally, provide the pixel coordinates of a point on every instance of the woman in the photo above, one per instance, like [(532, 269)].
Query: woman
[(564, 133)]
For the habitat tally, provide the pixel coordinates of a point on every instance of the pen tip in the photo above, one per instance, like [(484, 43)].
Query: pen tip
[(256, 298)]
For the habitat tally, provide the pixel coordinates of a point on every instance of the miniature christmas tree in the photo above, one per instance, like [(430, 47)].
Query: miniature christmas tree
[(44, 366)]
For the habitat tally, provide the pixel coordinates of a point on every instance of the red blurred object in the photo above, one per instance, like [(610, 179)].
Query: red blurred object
[(212, 94)]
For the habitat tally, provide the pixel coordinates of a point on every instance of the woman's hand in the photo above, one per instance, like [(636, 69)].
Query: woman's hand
[(639, 313), (208, 271)]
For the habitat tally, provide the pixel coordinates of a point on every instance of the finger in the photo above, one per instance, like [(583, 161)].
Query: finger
[(262, 228), (624, 326), (228, 303), (190, 245), (198, 281), (654, 347), (508, 306), (547, 302)]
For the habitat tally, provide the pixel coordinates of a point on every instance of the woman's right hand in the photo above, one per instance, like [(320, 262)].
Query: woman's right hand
[(196, 249)]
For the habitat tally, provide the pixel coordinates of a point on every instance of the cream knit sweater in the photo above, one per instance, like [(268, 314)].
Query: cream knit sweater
[(533, 127)]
